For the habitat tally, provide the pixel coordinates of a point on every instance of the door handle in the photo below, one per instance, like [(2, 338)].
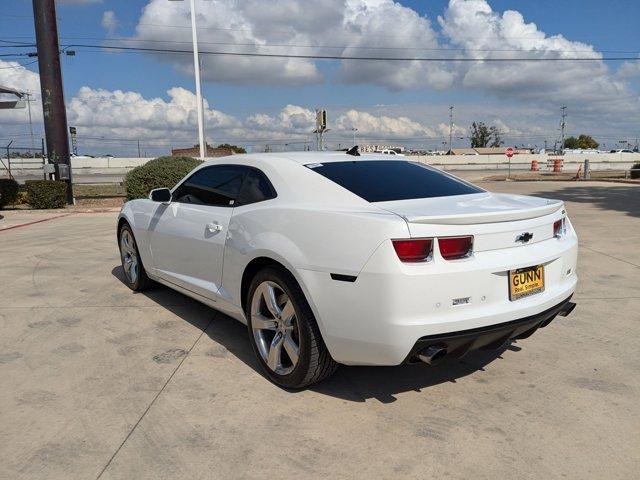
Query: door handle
[(214, 227)]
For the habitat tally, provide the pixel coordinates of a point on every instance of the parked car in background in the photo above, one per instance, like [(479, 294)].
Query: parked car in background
[(334, 258)]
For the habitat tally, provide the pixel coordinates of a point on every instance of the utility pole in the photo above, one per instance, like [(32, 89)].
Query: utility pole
[(54, 112), (450, 129), (139, 149), (354, 130), (562, 125)]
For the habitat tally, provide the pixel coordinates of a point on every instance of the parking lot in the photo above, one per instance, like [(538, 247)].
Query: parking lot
[(98, 382)]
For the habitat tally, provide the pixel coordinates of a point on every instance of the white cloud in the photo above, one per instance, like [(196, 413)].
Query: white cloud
[(599, 99), (629, 70), (14, 75), (224, 22), (467, 28), (107, 120), (109, 21), (456, 131), (302, 27), (394, 31), (112, 121), (130, 114), (292, 119), (383, 127), (483, 33)]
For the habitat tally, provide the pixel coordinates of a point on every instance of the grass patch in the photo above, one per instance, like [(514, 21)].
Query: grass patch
[(106, 190)]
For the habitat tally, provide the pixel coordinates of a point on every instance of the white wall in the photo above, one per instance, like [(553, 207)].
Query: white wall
[(605, 161)]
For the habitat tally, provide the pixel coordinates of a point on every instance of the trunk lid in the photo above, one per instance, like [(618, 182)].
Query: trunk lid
[(495, 220)]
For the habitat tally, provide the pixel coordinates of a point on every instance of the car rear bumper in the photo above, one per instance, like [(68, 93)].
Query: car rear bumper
[(458, 344), (378, 318)]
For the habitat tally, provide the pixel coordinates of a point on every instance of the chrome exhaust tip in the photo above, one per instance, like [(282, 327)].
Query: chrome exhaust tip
[(566, 309), (432, 355)]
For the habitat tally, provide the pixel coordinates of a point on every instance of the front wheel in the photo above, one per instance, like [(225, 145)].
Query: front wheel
[(134, 273), (283, 331)]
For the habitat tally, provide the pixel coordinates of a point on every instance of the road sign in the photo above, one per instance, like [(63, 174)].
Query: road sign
[(509, 152)]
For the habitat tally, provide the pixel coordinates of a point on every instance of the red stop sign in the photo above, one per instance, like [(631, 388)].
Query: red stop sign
[(509, 152)]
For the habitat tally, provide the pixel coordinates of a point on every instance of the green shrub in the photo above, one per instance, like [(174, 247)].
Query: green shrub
[(46, 193), (8, 191), (22, 197), (157, 173), (635, 170)]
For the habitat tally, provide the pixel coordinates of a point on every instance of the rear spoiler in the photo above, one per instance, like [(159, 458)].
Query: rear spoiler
[(487, 217)]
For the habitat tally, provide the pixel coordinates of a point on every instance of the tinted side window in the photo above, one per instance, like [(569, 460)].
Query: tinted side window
[(256, 188), (217, 185), (388, 180)]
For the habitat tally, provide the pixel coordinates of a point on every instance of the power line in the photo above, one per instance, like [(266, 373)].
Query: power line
[(349, 57), (15, 44), (343, 47)]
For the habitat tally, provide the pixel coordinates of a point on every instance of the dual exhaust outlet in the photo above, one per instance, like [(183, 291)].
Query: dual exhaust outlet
[(434, 354)]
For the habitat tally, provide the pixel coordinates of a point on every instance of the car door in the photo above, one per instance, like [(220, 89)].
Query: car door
[(187, 236)]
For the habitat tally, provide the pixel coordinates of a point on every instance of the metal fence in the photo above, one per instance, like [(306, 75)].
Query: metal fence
[(16, 160)]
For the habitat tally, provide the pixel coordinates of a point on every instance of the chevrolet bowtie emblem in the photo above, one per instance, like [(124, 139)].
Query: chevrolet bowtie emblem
[(524, 237)]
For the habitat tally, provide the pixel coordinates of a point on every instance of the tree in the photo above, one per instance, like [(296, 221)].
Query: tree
[(484, 136), (233, 148), (583, 142)]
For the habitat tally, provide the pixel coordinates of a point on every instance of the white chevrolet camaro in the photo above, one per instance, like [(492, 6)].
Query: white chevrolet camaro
[(336, 258)]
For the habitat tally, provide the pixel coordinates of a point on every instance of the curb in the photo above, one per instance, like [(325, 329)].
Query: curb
[(20, 225)]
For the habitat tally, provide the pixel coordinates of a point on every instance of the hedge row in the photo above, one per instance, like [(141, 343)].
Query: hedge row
[(46, 193), (157, 173), (9, 189)]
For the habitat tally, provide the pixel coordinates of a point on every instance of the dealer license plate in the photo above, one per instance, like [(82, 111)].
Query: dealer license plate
[(525, 282)]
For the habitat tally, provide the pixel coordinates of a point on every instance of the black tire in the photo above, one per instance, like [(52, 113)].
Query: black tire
[(140, 281), (314, 362)]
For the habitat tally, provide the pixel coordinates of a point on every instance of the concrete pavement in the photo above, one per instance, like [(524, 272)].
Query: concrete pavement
[(98, 382)]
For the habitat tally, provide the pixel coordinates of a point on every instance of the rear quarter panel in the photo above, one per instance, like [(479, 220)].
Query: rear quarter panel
[(304, 238)]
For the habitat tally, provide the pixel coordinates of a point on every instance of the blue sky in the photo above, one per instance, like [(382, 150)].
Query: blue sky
[(418, 94)]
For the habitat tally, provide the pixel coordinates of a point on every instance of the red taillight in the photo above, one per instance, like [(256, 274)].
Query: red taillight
[(558, 227), (413, 250), (452, 248)]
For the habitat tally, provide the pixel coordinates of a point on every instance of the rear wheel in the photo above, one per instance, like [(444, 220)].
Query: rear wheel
[(284, 333), (134, 273)]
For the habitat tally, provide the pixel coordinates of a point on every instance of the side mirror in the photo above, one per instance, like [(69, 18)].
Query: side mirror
[(160, 195)]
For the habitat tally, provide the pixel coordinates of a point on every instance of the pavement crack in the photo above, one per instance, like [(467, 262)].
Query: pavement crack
[(610, 256), (202, 332)]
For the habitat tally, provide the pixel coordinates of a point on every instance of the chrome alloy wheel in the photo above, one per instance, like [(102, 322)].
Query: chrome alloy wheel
[(129, 255), (275, 328)]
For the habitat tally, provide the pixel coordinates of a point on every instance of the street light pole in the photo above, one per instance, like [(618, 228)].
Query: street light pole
[(354, 129), (196, 68), (450, 129), (33, 143), (562, 125)]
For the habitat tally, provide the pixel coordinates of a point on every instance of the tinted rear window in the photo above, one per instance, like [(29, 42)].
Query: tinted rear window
[(388, 180)]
